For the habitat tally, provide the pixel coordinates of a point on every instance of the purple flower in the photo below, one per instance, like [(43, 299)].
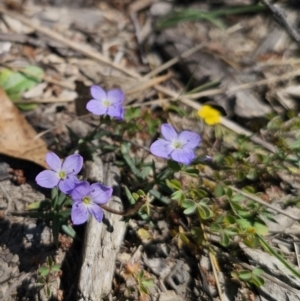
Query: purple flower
[(62, 174), (87, 199), (109, 103), (178, 147)]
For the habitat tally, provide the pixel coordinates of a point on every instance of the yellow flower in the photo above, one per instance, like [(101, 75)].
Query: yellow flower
[(210, 115)]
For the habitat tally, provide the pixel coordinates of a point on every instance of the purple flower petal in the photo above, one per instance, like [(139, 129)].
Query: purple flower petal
[(68, 184), (100, 194), (53, 161), (161, 148), (72, 164), (168, 132), (96, 211), (79, 213), (190, 139), (184, 156), (115, 111), (80, 191), (96, 107), (115, 96), (98, 93), (47, 179)]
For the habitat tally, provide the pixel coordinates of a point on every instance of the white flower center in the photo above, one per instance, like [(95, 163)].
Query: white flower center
[(177, 144), (62, 174), (106, 103)]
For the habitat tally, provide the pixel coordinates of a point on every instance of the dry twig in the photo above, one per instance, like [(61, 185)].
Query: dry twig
[(278, 13)]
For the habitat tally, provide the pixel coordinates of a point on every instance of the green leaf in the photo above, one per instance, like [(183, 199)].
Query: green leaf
[(159, 196), (194, 172), (191, 209), (40, 205), (249, 189), (67, 229), (229, 192), (245, 275), (204, 212), (261, 229), (129, 196), (60, 200), (43, 271), (215, 227), (15, 83), (55, 228), (56, 268), (187, 203), (224, 239), (66, 213), (148, 283), (177, 195), (48, 292), (257, 272), (184, 238), (173, 184), (238, 198), (132, 166), (240, 175), (219, 191), (244, 224), (145, 171), (173, 165), (140, 192), (257, 281)]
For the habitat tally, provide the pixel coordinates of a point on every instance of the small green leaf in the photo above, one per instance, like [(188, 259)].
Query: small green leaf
[(249, 189), (204, 212), (224, 239), (148, 283), (192, 172), (43, 271), (215, 227), (240, 175), (173, 184), (177, 195), (190, 210), (129, 196), (56, 268), (145, 171), (257, 272), (69, 231), (184, 238), (40, 205), (261, 228), (187, 203), (48, 292), (238, 198), (173, 165), (257, 280), (55, 228), (229, 192), (245, 275), (219, 191), (244, 224)]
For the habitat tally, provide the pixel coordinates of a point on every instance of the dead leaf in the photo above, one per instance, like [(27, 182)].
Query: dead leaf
[(17, 135)]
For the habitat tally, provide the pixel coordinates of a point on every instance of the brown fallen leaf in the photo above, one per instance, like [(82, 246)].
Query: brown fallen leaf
[(17, 135)]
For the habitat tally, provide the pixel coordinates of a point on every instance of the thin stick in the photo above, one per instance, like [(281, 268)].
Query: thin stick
[(130, 211), (174, 61), (261, 202), (71, 44), (278, 13), (225, 122)]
